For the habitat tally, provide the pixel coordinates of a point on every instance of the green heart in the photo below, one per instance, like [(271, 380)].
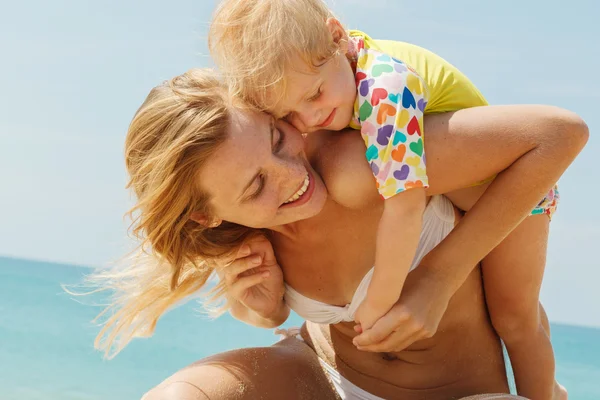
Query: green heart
[(381, 68), (365, 111), (417, 147)]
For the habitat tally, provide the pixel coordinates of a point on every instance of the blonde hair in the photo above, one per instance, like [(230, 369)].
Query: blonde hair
[(179, 126), (256, 42)]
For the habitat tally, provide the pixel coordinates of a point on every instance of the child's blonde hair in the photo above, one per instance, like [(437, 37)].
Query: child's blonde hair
[(178, 127), (255, 42)]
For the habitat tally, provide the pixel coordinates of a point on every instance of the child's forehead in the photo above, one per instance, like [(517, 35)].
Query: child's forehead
[(296, 84)]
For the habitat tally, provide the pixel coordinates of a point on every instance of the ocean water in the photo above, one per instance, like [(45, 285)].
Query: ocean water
[(46, 340)]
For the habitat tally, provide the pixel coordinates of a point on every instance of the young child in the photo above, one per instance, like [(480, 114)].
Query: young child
[(294, 60)]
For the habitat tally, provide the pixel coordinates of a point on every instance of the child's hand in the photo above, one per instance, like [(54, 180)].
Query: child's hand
[(415, 317), (368, 313)]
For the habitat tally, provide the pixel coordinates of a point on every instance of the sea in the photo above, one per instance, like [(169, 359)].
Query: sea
[(46, 342)]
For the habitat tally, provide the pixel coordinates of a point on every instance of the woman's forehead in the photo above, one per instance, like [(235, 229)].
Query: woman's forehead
[(249, 122)]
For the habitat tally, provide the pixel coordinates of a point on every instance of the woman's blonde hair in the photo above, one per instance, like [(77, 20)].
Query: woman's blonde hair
[(179, 126), (256, 42)]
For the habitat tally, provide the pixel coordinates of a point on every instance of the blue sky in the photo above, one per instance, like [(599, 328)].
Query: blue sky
[(75, 72)]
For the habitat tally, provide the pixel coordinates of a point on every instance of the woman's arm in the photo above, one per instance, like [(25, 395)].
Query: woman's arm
[(251, 317), (532, 146)]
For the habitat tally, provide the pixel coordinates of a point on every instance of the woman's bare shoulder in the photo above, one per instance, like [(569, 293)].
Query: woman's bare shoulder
[(340, 159)]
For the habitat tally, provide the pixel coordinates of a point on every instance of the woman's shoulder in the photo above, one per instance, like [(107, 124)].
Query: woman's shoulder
[(339, 157)]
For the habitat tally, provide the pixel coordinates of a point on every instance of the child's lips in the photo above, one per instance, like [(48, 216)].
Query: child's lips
[(328, 120)]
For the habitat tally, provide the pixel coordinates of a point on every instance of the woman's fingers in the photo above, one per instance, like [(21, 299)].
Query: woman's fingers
[(240, 287), (261, 245), (239, 266)]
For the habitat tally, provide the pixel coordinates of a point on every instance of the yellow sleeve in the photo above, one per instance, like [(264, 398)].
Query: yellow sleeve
[(449, 89)]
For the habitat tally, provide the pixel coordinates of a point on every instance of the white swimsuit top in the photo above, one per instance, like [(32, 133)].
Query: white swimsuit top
[(438, 221)]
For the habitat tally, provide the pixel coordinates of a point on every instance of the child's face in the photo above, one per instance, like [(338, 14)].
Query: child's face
[(323, 99)]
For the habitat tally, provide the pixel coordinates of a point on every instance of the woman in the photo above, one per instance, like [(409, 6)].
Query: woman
[(193, 156)]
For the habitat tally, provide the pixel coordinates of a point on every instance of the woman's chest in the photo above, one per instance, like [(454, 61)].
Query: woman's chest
[(330, 261)]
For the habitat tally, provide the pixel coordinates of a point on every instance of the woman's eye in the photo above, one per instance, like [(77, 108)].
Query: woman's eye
[(279, 143), (261, 184)]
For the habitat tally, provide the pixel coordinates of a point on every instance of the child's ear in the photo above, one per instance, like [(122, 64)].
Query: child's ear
[(203, 220), (338, 33)]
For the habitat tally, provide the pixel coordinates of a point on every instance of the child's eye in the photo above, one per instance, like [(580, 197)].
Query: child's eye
[(287, 117), (316, 95)]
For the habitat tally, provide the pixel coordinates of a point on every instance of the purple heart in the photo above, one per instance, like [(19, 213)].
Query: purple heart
[(375, 169), (402, 173), (365, 85), (399, 67), (422, 104), (384, 133)]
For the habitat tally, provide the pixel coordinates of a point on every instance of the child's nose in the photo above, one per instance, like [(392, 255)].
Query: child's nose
[(311, 118), (297, 121)]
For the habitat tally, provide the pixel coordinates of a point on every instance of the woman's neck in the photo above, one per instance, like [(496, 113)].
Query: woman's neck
[(296, 233)]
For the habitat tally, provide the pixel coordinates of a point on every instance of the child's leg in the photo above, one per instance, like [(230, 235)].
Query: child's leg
[(560, 393), (512, 275), (512, 278), (544, 320)]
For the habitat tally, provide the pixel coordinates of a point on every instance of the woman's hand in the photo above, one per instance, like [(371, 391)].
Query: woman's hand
[(415, 317), (255, 281)]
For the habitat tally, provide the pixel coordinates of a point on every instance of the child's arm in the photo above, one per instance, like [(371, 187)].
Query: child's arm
[(391, 101), (397, 240)]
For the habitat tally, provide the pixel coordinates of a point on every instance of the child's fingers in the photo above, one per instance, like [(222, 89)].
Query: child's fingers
[(393, 343), (381, 329)]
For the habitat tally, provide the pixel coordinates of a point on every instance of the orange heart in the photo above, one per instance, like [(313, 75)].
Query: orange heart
[(398, 153), (385, 110), (413, 184)]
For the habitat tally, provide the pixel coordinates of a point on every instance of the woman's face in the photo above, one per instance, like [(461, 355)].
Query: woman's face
[(260, 176)]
